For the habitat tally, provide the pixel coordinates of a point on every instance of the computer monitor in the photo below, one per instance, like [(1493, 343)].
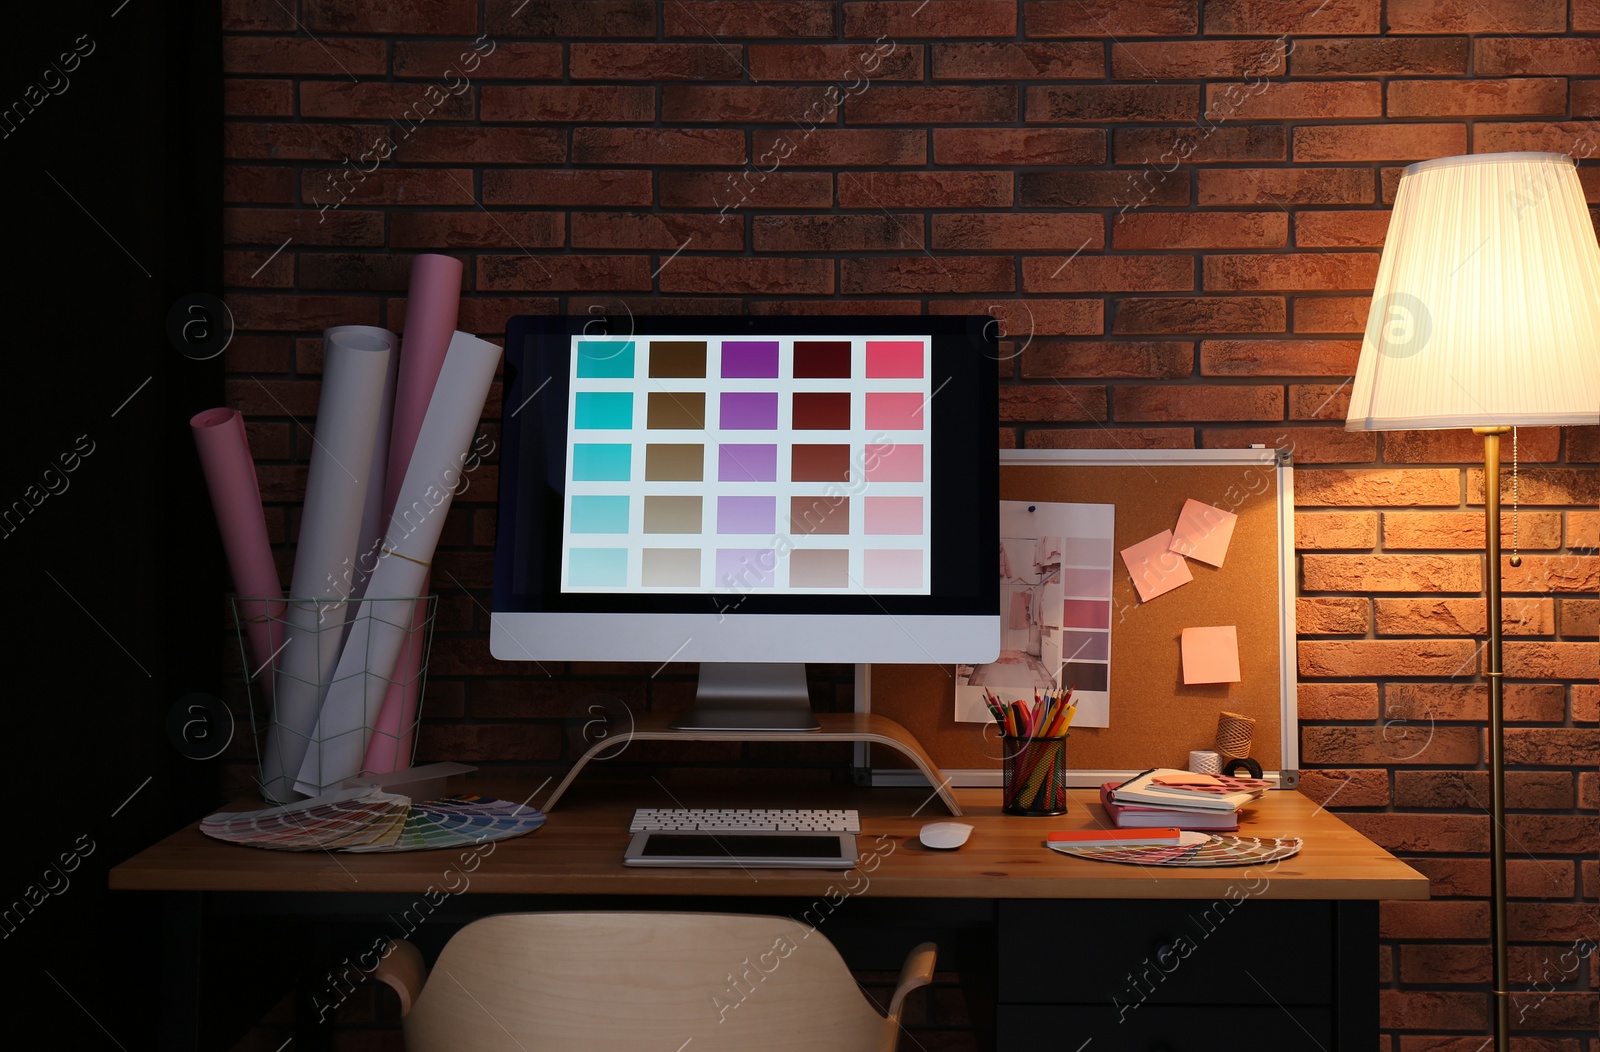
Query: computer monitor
[(752, 493)]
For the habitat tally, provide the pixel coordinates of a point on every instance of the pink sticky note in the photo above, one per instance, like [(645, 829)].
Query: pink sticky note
[(1203, 532), (1211, 655), (1154, 568)]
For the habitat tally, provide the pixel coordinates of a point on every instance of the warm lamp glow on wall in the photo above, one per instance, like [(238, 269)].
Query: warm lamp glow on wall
[(1486, 315)]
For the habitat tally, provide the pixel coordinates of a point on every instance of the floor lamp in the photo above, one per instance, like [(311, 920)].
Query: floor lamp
[(1486, 314)]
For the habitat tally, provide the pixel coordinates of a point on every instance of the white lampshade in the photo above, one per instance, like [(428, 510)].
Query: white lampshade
[(1487, 305)]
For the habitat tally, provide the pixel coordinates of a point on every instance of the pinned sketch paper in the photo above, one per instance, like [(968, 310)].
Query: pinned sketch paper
[(1155, 569), (1211, 655), (1203, 532)]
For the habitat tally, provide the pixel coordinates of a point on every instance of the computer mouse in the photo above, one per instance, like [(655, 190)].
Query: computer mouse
[(945, 836)]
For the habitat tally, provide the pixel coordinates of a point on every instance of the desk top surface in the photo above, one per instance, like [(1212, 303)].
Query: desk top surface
[(579, 851)]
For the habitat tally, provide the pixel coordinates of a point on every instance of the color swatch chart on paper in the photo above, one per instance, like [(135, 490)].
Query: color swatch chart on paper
[(712, 464)]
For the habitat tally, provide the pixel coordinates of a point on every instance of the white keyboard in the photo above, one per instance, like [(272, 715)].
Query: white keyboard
[(729, 820)]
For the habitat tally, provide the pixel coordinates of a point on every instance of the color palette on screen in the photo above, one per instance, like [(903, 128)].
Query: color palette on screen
[(772, 463)]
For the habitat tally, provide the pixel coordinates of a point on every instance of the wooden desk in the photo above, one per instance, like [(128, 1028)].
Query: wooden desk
[(1309, 925)]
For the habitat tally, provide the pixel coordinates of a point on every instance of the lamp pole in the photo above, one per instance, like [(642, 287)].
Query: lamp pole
[(1497, 774)]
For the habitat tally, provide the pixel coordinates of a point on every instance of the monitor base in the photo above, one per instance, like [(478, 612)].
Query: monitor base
[(750, 696)]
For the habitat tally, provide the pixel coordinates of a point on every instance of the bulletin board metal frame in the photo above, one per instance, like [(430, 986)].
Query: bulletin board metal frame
[(1159, 724)]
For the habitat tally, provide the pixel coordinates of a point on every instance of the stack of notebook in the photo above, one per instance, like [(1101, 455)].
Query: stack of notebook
[(1166, 797)]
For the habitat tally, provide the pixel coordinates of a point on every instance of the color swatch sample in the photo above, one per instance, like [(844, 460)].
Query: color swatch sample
[(709, 464)]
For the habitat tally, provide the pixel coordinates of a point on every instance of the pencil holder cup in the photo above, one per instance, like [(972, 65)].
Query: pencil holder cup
[(1034, 777)]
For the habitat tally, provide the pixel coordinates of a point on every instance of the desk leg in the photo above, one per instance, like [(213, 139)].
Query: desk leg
[(182, 942), (1356, 975)]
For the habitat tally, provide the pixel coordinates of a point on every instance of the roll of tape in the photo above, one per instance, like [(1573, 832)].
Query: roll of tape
[(1251, 768), (1204, 761)]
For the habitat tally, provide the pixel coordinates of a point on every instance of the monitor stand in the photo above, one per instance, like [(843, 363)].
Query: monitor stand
[(750, 696)]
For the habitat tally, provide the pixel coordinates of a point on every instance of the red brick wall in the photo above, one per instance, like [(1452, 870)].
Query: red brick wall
[(1178, 214)]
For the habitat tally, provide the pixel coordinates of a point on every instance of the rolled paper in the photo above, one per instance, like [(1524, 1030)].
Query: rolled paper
[(432, 306), (378, 636), (374, 512), (230, 473), (1204, 761), (1234, 734), (353, 370)]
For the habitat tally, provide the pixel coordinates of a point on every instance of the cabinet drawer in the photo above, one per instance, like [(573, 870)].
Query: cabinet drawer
[(1166, 1028), (1123, 951)]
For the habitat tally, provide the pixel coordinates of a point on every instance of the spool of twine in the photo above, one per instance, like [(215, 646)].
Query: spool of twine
[(1204, 761), (1234, 733)]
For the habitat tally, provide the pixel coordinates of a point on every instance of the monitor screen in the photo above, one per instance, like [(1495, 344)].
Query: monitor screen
[(748, 489)]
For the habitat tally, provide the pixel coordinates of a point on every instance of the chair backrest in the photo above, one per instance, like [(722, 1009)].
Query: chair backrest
[(593, 982)]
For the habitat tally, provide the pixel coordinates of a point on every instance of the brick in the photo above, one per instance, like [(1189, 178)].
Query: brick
[(1529, 97), (737, 275), (258, 269), (1106, 103), (420, 60), (422, 17), (592, 103), (257, 98), (1583, 529), (334, 56), (1126, 189), (1016, 231), (937, 18), (1156, 230), (1420, 487), (652, 62), (1021, 146), (1449, 834), (247, 353), (1051, 403), (1331, 313), (1387, 142), (1583, 445), (1543, 56), (340, 98), (836, 63), (1346, 788), (562, 18), (475, 742), (733, 190), (1157, 359), (271, 140), (712, 19), (1391, 744), (1463, 617), (1585, 16), (488, 315), (1030, 60), (1335, 57), (1287, 186), (655, 230), (274, 226), (1580, 618), (1319, 401), (1529, 660), (1278, 357), (1198, 402), (578, 273), (1382, 657), (1308, 445), (1547, 136), (296, 313), (480, 145), (1337, 701), (837, 233), (1458, 445), (1291, 16), (1477, 16), (1111, 18), (1087, 273), (254, 16), (1465, 529), (933, 189), (1469, 878), (1112, 438), (1197, 59), (1341, 229), (1553, 834), (1200, 314), (1033, 315), (589, 186), (653, 304), (1552, 922), (1166, 148), (1542, 486), (1586, 98), (1333, 616), (975, 104), (657, 146), (1270, 100), (925, 274), (1390, 573), (1336, 529), (471, 230), (354, 271), (390, 186), (258, 184), (841, 147), (1307, 270)]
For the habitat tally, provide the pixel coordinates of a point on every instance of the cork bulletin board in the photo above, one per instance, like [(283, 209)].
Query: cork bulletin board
[(1156, 719)]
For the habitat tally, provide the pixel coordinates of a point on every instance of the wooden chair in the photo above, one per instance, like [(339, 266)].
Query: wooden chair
[(592, 982)]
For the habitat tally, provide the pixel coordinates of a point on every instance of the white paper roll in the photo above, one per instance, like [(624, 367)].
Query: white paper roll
[(379, 632), (354, 368), (373, 511)]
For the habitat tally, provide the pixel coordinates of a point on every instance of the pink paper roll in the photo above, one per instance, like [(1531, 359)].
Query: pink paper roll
[(432, 305), (230, 473)]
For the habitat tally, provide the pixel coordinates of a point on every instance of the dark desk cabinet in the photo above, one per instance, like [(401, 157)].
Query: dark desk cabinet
[(1186, 975)]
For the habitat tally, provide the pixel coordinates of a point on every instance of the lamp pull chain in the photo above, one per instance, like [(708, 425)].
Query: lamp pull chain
[(1516, 557)]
